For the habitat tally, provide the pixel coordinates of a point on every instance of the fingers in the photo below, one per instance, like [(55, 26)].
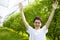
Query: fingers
[(56, 2), (20, 5)]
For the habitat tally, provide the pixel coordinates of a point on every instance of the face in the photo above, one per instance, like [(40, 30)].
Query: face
[(37, 23)]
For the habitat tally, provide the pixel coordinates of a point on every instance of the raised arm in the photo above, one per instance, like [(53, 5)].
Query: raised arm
[(54, 6), (23, 17)]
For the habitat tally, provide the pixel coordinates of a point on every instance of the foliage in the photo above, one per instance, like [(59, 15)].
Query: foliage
[(38, 8), (6, 34)]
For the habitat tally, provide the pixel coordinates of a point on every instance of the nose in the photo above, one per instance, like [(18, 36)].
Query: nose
[(37, 23)]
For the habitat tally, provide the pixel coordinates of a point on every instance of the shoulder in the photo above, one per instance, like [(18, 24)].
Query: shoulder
[(44, 29), (30, 29)]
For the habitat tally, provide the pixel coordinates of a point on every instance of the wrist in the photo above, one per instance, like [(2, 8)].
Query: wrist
[(53, 8), (21, 8)]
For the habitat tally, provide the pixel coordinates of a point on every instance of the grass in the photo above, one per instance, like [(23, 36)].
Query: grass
[(9, 34)]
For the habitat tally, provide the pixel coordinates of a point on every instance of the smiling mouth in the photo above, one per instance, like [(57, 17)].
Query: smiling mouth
[(37, 25)]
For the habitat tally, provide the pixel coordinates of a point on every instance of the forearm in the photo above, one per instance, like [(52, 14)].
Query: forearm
[(24, 19), (50, 18)]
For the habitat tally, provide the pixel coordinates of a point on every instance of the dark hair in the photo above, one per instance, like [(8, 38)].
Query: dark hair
[(37, 18)]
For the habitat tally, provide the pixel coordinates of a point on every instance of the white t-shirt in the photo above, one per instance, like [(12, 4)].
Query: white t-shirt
[(37, 34)]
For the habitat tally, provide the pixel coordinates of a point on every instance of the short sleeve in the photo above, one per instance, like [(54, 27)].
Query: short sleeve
[(45, 30), (29, 30)]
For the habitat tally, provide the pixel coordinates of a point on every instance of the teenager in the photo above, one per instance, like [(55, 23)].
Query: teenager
[(38, 33)]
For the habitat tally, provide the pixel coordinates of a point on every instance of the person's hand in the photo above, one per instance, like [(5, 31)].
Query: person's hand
[(55, 4), (21, 5)]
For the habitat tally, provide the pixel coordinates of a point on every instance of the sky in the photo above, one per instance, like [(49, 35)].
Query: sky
[(7, 7)]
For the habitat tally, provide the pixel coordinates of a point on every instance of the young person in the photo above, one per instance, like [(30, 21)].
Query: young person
[(38, 33)]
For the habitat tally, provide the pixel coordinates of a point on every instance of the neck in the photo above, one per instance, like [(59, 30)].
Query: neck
[(37, 28)]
